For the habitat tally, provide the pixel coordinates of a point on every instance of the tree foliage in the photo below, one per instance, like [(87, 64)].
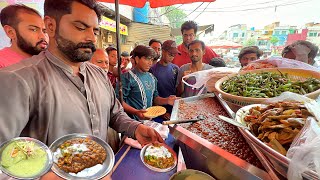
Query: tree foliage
[(274, 40), (175, 16), (250, 42)]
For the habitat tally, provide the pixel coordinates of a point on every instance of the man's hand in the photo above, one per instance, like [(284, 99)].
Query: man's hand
[(140, 115), (146, 135), (171, 99), (166, 116)]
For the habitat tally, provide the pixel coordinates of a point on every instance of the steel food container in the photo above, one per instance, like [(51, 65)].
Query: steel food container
[(279, 162), (200, 154)]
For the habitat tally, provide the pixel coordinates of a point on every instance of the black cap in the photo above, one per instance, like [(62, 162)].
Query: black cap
[(125, 54)]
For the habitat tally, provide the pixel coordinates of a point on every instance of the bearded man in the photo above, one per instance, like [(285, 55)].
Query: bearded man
[(58, 92), (26, 29)]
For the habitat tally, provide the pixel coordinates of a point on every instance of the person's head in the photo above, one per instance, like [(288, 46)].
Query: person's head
[(288, 53), (156, 46), (217, 62), (25, 27), (189, 31), (112, 53), (169, 51), (100, 58), (73, 26), (248, 54), (125, 59), (133, 62), (143, 57), (196, 51)]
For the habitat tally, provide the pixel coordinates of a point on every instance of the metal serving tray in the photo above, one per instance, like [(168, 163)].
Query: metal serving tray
[(278, 162), (200, 154)]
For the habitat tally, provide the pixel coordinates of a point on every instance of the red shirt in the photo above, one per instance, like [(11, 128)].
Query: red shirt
[(184, 57), (9, 57), (113, 79)]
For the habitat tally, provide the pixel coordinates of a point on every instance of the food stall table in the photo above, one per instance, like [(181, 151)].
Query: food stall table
[(130, 165)]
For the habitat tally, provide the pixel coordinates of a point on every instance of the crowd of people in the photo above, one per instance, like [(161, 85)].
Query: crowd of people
[(55, 82)]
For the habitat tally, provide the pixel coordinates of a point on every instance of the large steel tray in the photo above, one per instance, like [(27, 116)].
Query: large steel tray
[(202, 155), (278, 162)]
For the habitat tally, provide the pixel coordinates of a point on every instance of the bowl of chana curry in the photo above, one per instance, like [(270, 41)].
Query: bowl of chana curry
[(158, 157), (81, 156)]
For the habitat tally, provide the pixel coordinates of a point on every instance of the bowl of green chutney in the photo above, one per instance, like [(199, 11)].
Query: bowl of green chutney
[(25, 158)]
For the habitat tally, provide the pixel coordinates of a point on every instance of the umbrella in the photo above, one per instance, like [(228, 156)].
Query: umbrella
[(224, 44), (140, 4), (154, 3)]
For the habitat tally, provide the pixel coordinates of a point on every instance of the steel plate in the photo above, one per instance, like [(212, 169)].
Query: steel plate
[(47, 166), (143, 150), (107, 164)]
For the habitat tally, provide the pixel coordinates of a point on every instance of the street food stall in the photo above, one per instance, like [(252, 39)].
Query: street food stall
[(209, 144)]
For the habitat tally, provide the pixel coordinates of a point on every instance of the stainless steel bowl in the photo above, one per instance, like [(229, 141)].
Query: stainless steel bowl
[(45, 169), (279, 162), (143, 151), (107, 164), (192, 174)]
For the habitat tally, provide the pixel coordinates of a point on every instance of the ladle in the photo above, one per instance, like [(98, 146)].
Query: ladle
[(199, 118), (233, 122)]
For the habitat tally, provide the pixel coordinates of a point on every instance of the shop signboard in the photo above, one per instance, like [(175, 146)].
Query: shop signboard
[(110, 25)]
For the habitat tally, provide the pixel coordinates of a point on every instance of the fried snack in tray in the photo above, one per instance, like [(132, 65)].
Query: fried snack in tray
[(80, 153), (277, 124), (214, 130)]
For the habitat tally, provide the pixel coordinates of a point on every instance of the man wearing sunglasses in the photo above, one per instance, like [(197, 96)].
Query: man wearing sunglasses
[(166, 72)]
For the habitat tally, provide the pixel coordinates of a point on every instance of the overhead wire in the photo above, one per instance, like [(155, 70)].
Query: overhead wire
[(170, 10), (202, 11), (179, 20), (257, 8), (241, 10), (193, 11), (246, 5)]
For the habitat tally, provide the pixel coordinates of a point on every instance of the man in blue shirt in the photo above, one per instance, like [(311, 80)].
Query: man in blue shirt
[(166, 72), (140, 87)]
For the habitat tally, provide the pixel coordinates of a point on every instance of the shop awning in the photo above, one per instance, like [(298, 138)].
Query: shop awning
[(110, 25), (154, 3)]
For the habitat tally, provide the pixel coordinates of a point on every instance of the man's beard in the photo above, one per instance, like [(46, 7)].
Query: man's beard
[(72, 50), (27, 47), (194, 59)]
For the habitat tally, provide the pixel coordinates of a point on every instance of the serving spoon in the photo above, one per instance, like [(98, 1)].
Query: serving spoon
[(199, 118), (233, 122)]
